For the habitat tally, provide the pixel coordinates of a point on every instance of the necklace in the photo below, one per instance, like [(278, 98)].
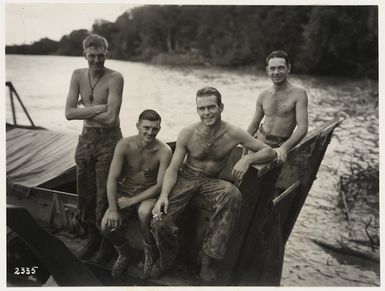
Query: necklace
[(93, 87), (208, 140)]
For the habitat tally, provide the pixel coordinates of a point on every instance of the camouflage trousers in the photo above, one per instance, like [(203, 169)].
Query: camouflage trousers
[(93, 157), (225, 200)]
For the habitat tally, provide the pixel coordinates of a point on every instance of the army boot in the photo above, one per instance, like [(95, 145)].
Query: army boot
[(150, 255), (122, 261)]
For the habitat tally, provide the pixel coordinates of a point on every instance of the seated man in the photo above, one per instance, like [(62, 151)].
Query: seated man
[(201, 152), (284, 106), (146, 159)]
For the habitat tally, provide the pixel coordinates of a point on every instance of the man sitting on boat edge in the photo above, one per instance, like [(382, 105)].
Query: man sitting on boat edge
[(145, 159), (201, 153), (100, 90), (284, 106)]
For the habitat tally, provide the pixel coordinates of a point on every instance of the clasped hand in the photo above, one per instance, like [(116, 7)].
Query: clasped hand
[(239, 169), (102, 107), (125, 202), (281, 155)]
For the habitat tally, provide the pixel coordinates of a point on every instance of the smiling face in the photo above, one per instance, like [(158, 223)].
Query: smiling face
[(209, 110), (278, 70), (148, 130), (96, 57)]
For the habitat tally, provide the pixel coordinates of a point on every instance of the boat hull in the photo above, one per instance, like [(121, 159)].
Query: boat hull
[(273, 196)]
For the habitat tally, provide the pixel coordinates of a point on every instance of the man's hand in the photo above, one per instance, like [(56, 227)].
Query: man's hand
[(239, 169), (160, 208), (111, 220), (281, 155), (125, 202)]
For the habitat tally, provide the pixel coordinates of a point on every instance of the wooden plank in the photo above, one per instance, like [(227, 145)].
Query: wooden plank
[(43, 193), (256, 206), (286, 193), (308, 180)]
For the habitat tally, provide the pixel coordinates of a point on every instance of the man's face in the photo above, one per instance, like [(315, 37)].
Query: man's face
[(96, 57), (278, 70), (148, 130), (209, 110)]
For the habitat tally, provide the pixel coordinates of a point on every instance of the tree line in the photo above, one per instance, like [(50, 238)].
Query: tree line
[(335, 40)]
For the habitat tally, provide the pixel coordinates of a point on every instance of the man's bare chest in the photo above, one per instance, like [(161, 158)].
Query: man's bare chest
[(96, 93), (281, 105), (210, 148), (138, 162)]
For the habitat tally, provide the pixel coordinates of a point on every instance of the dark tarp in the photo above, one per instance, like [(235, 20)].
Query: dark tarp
[(37, 156)]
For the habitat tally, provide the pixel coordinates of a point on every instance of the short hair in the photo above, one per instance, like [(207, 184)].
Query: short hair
[(95, 40), (149, 114), (278, 54), (209, 91)]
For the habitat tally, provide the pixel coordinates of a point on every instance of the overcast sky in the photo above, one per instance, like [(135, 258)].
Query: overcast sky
[(29, 22)]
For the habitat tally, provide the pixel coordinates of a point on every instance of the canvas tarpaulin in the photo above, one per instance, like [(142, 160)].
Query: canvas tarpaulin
[(37, 156)]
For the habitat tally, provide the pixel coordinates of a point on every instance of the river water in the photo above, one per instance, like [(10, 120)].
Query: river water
[(43, 81)]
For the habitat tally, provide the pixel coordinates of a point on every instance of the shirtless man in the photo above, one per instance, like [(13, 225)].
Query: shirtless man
[(145, 159), (95, 96), (201, 152), (284, 106)]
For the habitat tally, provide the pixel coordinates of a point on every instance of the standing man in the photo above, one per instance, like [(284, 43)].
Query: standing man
[(145, 159), (99, 90), (201, 152), (284, 106)]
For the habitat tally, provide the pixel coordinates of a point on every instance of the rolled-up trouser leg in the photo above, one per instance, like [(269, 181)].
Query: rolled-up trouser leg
[(225, 199)]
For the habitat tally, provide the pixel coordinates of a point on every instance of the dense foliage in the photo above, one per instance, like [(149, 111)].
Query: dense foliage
[(338, 40)]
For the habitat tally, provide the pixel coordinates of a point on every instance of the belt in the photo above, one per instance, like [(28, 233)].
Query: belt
[(275, 138), (87, 129)]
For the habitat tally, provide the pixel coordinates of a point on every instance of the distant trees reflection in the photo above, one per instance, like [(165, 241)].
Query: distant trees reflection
[(337, 40)]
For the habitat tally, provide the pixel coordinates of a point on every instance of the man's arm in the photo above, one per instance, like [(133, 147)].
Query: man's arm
[(112, 218), (151, 192), (114, 101), (301, 116), (71, 109), (262, 153), (257, 117), (171, 174)]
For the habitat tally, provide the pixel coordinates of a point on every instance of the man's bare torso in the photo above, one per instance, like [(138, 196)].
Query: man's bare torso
[(279, 109), (209, 153), (100, 92), (142, 164)]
